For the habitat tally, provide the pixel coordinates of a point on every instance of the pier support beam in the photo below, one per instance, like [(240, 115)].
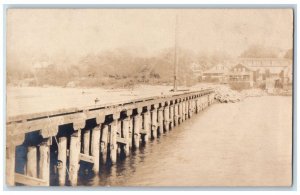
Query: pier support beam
[(44, 162), (74, 157), (126, 127), (136, 130), (160, 120), (86, 142), (176, 114), (62, 160), (104, 143), (193, 106), (113, 141), (180, 112), (172, 115), (190, 108), (184, 110), (154, 121), (119, 133), (166, 118), (31, 164), (95, 149), (130, 132), (147, 125), (201, 103), (10, 164), (197, 105)]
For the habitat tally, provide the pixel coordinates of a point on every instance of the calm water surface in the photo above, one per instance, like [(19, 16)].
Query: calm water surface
[(245, 143)]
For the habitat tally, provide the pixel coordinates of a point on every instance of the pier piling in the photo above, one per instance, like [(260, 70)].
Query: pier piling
[(104, 143), (95, 149), (44, 162), (160, 117), (118, 128), (113, 141), (10, 164), (31, 165), (74, 157), (136, 130), (154, 122), (62, 160)]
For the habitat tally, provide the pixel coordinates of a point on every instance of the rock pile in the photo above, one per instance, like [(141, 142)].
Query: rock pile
[(225, 95)]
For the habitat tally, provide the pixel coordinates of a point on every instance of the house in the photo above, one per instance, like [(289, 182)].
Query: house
[(197, 71), (217, 73), (271, 72), (241, 75)]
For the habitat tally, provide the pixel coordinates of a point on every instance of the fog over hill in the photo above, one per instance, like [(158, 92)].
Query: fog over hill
[(93, 46)]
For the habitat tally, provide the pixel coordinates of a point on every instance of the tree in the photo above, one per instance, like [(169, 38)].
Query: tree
[(259, 51)]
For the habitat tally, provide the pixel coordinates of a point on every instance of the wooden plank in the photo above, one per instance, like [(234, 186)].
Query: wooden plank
[(86, 158), (29, 181)]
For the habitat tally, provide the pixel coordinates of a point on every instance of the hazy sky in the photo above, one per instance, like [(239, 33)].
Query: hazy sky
[(59, 34)]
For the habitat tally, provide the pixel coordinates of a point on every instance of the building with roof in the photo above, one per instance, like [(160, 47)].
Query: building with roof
[(241, 75), (218, 73)]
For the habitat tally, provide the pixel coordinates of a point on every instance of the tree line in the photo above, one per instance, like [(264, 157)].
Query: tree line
[(121, 68)]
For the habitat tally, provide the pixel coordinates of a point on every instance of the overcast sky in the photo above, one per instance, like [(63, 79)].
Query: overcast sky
[(69, 34)]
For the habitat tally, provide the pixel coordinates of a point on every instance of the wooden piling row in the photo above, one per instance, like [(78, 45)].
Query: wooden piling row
[(103, 143)]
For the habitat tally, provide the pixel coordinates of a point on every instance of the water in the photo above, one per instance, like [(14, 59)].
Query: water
[(248, 143)]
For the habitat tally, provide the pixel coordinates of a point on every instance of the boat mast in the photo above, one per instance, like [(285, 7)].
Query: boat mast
[(175, 56)]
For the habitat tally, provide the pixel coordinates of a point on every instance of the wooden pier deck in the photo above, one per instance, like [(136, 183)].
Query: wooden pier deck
[(96, 134)]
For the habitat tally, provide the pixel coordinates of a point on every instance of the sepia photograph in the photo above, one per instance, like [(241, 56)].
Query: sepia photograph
[(149, 97)]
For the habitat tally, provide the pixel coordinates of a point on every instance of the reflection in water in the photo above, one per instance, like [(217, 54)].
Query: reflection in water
[(240, 144)]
